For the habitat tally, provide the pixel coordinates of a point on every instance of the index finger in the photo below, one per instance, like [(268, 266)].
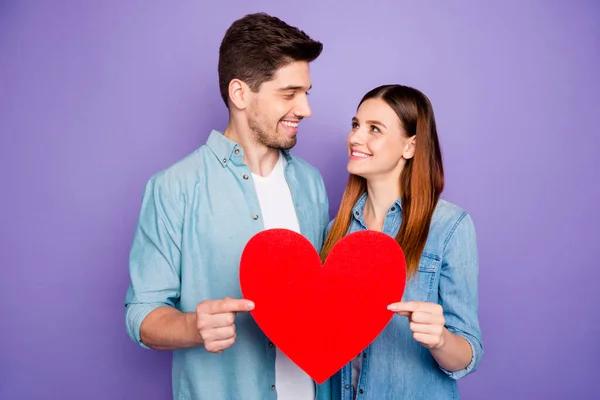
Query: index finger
[(408, 306), (230, 305)]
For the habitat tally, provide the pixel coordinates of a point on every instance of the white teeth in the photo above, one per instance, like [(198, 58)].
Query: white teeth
[(358, 154), (290, 124)]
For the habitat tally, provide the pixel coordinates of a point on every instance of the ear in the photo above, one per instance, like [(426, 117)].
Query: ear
[(239, 94), (409, 148)]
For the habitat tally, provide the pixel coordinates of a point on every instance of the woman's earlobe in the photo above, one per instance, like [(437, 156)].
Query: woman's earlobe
[(409, 150)]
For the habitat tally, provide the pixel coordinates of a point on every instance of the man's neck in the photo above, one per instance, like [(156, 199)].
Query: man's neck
[(260, 159)]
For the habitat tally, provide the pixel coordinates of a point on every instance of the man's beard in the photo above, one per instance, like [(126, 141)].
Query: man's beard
[(267, 137), (272, 140)]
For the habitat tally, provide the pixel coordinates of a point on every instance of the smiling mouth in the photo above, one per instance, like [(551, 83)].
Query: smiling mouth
[(291, 127), (358, 154), (290, 124)]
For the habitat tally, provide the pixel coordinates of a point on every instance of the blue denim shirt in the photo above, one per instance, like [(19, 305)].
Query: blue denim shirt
[(196, 217), (394, 365)]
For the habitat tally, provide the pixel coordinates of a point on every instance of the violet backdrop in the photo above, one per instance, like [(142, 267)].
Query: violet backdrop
[(95, 97)]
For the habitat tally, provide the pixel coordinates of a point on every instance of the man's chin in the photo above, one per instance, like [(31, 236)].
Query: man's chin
[(287, 145), (287, 141)]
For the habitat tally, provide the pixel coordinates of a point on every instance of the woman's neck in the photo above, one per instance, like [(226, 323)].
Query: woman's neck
[(381, 194)]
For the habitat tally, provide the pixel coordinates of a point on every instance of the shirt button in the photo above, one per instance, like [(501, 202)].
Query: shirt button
[(255, 217), (347, 387), (356, 213), (246, 176), (271, 344), (361, 391), (237, 151), (393, 208), (272, 387), (224, 161), (364, 355)]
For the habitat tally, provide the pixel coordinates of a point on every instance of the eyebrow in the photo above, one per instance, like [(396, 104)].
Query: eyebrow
[(371, 122), (293, 87)]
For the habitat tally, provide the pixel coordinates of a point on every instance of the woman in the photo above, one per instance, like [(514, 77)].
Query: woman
[(396, 178)]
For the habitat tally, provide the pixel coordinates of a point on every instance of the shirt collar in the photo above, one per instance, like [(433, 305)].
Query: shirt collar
[(224, 148), (357, 210)]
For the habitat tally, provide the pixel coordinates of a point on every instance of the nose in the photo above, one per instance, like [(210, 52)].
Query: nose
[(356, 137), (303, 108)]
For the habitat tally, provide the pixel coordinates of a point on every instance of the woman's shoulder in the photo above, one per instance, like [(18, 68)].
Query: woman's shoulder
[(447, 217), (448, 210)]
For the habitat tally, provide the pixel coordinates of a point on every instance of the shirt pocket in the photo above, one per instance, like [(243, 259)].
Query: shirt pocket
[(422, 287)]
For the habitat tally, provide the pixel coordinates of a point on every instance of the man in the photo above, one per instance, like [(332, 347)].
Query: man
[(198, 215)]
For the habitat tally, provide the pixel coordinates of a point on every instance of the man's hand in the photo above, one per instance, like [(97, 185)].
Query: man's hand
[(215, 322)]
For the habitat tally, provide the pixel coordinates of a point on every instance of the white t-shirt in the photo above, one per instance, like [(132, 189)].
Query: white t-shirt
[(278, 211)]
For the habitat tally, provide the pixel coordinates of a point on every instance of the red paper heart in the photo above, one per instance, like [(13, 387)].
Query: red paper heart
[(322, 316)]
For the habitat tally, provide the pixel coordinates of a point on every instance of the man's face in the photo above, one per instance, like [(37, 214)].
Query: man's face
[(280, 104)]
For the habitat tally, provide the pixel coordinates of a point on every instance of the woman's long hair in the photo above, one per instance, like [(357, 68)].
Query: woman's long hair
[(421, 180)]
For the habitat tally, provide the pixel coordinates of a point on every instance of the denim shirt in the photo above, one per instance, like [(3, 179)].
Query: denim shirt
[(196, 217), (394, 365)]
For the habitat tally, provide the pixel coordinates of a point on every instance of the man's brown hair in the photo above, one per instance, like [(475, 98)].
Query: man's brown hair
[(256, 46)]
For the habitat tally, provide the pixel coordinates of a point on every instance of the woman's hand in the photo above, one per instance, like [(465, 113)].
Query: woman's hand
[(426, 321)]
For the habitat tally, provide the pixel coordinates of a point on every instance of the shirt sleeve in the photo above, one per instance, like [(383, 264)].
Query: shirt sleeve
[(155, 256), (459, 290)]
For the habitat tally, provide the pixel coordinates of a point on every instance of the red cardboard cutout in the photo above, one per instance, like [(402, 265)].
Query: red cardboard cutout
[(322, 316)]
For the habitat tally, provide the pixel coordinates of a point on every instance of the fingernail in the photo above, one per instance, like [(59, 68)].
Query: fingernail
[(249, 306), (391, 307)]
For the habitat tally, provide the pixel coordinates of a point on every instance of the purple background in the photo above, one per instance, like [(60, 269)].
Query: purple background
[(96, 98)]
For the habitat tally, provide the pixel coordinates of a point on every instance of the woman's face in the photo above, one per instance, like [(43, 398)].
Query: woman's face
[(378, 145)]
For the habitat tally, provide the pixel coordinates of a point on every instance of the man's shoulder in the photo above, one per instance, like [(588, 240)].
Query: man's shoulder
[(183, 172)]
